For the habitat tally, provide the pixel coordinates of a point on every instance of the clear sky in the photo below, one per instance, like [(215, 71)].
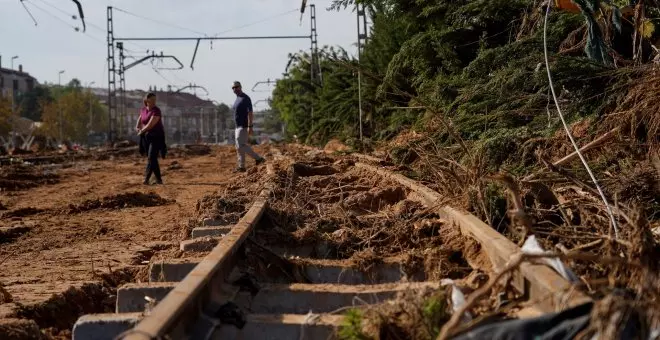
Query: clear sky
[(54, 45)]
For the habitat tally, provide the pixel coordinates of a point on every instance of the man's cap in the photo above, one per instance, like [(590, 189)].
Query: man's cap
[(236, 84)]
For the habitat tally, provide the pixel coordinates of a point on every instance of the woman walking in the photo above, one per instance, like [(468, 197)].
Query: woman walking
[(152, 137)]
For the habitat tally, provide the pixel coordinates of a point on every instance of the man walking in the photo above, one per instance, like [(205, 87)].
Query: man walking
[(243, 115)]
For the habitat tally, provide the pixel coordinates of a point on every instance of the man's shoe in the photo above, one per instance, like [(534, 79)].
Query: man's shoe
[(239, 170), (159, 181), (146, 182), (260, 161)]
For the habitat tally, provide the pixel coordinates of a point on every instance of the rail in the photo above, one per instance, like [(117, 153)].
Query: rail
[(538, 283), (184, 304)]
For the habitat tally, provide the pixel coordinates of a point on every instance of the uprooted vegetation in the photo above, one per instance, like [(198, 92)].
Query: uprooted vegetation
[(463, 87), (411, 315), (335, 211)]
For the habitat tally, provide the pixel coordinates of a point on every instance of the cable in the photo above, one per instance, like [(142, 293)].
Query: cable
[(56, 8), (80, 12), (568, 132), (29, 13), (257, 22), (160, 22), (75, 28)]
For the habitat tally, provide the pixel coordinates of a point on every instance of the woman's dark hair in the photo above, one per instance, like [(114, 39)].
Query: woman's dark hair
[(149, 95)]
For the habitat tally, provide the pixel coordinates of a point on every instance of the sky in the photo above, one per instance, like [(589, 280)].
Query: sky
[(54, 45)]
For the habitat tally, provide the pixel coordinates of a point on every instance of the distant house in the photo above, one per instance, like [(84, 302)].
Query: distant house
[(17, 80)]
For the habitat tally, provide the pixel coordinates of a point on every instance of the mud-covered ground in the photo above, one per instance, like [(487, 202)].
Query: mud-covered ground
[(70, 232)]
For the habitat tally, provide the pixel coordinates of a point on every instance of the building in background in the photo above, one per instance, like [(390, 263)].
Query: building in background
[(187, 118), (17, 80)]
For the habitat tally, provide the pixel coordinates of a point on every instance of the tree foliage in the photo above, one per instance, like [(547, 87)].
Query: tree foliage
[(5, 115), (479, 63), (77, 110)]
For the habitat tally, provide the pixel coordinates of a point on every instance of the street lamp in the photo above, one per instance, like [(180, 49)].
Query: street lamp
[(59, 83), (12, 61)]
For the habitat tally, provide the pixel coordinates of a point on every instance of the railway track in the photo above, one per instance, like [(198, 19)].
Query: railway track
[(213, 296)]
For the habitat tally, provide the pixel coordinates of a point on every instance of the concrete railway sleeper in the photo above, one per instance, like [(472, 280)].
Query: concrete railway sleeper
[(212, 297)]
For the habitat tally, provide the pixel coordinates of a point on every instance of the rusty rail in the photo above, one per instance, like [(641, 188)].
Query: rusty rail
[(174, 315), (538, 282)]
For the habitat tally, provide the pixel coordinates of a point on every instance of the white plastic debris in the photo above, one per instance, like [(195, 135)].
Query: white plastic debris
[(457, 298), (532, 246)]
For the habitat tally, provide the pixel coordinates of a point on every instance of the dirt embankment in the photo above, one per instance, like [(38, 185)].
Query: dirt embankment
[(68, 239)]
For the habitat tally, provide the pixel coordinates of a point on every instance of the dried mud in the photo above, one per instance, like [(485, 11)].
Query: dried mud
[(18, 177), (19, 329), (120, 201)]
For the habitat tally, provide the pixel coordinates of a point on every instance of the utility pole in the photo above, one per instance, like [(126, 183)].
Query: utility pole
[(314, 49), (362, 39), (112, 80), (59, 83), (122, 92)]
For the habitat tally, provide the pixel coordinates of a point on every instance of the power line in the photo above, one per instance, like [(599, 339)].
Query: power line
[(159, 21), (257, 22), (142, 48), (53, 16), (56, 8), (75, 28)]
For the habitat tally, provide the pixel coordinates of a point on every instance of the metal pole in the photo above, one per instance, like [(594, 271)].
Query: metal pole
[(112, 85), (362, 35), (201, 124), (359, 71)]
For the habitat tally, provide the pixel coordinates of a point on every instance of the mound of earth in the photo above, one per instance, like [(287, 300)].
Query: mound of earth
[(22, 212), (121, 201), (18, 177)]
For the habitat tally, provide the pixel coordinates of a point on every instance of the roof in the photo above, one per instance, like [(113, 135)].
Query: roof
[(172, 99), (8, 71)]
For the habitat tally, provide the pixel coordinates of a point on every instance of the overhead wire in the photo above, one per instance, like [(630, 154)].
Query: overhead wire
[(55, 8), (568, 132), (29, 13), (75, 28), (256, 22), (159, 21)]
